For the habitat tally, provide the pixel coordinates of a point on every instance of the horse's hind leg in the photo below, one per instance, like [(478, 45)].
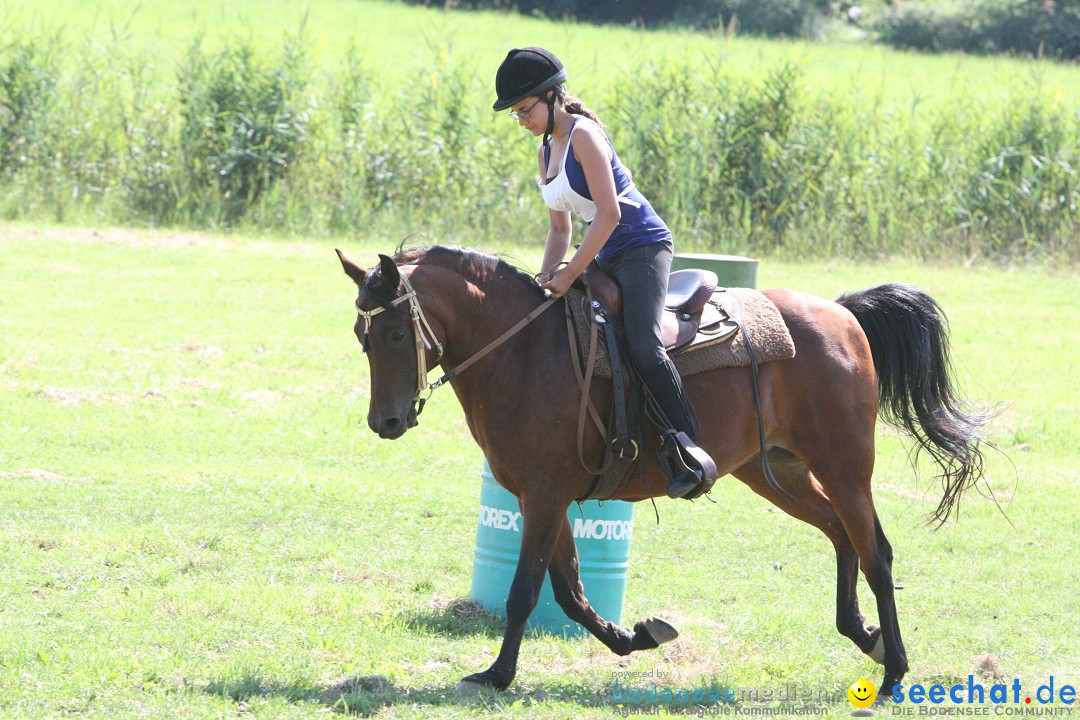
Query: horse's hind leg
[(854, 505), (849, 620), (813, 507), (570, 594), (877, 652)]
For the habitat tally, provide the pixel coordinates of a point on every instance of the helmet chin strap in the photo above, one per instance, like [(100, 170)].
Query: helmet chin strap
[(550, 100)]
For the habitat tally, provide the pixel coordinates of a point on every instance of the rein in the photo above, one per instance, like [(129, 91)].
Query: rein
[(420, 323)]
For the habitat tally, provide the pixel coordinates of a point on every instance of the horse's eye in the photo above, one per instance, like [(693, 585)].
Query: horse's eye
[(397, 336)]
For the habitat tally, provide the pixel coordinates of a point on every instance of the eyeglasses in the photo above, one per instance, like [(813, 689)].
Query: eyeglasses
[(524, 114)]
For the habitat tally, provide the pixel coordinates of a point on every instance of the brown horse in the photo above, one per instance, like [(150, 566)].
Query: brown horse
[(884, 349)]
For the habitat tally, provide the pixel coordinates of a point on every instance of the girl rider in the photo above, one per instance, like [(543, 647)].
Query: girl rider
[(580, 173)]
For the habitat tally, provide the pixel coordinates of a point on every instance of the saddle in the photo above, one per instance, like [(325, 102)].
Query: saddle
[(691, 313)]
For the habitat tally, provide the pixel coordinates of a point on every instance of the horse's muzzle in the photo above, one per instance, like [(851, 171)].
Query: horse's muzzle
[(390, 428), (393, 427)]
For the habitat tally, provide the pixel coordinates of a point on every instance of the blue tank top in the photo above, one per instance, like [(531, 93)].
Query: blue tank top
[(638, 225)]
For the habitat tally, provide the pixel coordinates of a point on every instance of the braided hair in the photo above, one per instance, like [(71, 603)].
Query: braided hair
[(575, 106), (571, 104)]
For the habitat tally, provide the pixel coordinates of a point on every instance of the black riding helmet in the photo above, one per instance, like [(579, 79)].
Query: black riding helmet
[(526, 72)]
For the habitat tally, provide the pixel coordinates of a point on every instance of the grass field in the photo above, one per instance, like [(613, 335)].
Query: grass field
[(195, 522), (399, 40)]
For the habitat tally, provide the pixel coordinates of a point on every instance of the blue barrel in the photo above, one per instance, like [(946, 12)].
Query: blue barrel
[(731, 270), (602, 533)]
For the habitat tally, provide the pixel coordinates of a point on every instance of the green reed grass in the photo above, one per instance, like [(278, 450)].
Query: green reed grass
[(339, 126)]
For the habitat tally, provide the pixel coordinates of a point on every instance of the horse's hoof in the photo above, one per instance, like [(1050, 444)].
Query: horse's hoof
[(892, 679), (652, 633), (876, 653), (479, 681), (468, 686)]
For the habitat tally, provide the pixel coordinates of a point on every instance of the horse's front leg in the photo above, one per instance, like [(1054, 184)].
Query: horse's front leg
[(570, 594), (542, 520)]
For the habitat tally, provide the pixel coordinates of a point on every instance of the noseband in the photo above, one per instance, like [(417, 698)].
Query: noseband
[(420, 323)]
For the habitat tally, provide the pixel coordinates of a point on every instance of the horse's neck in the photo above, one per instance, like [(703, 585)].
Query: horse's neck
[(497, 386), (474, 313)]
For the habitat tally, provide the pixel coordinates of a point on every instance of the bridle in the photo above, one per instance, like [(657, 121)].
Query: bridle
[(420, 324)]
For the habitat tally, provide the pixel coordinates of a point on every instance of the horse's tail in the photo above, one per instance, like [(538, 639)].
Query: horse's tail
[(909, 340)]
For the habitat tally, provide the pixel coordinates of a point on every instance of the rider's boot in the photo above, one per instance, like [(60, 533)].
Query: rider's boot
[(666, 388)]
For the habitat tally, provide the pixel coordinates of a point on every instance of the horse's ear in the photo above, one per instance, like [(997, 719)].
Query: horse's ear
[(352, 269), (390, 273)]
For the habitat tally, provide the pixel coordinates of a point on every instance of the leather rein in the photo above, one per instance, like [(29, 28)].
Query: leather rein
[(421, 324)]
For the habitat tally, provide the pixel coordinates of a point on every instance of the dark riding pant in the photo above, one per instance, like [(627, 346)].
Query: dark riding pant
[(642, 273)]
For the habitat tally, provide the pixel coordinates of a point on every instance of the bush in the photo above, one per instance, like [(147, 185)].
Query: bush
[(1025, 185), (733, 164), (244, 124), (28, 95), (1043, 28), (790, 18), (784, 18)]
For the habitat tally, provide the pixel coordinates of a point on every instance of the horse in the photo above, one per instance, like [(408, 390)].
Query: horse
[(881, 351)]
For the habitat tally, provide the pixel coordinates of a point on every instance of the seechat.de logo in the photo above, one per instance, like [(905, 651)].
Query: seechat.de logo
[(862, 694)]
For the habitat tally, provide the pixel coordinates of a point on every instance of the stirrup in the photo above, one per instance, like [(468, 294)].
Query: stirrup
[(683, 485), (690, 471)]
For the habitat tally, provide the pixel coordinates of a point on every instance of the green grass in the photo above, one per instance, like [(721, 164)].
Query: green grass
[(395, 38), (195, 521)]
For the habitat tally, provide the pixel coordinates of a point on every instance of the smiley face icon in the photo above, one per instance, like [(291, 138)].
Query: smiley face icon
[(862, 693)]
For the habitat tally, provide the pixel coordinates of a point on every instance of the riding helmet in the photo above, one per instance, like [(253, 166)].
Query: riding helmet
[(526, 72)]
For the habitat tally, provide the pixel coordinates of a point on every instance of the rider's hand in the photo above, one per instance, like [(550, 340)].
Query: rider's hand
[(558, 282)]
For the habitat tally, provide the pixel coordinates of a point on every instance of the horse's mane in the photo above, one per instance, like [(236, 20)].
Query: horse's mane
[(476, 266)]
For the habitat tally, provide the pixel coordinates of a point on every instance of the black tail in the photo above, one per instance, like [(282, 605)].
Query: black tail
[(909, 339)]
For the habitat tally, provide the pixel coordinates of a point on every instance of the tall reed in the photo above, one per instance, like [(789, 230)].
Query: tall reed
[(254, 138)]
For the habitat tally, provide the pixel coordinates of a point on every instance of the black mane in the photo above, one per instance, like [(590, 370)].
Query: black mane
[(477, 266)]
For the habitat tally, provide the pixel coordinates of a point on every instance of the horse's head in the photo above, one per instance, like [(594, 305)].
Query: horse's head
[(387, 328)]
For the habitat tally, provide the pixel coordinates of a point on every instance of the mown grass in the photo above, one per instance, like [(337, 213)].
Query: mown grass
[(195, 522), (341, 117)]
